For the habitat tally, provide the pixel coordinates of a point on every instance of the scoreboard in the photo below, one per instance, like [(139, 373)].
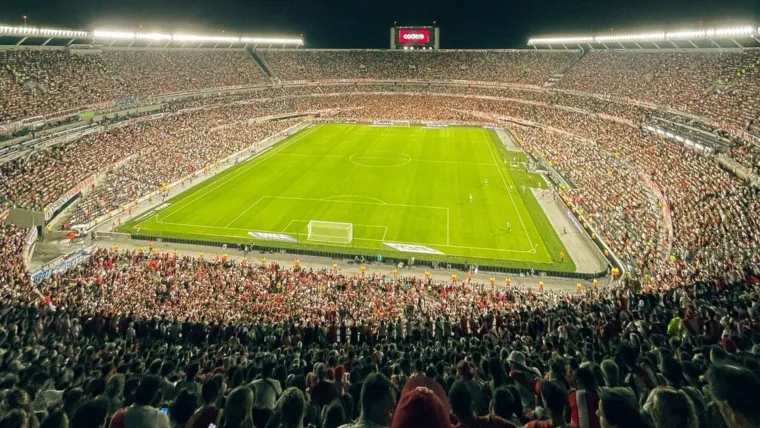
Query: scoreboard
[(415, 38)]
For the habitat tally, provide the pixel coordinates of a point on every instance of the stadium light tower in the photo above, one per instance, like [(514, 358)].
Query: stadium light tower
[(24, 18)]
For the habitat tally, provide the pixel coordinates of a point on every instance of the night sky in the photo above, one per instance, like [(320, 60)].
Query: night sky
[(364, 24)]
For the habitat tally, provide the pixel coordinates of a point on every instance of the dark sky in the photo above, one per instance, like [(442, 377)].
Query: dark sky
[(357, 23)]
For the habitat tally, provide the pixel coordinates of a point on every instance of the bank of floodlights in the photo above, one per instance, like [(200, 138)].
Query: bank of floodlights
[(7, 30), (192, 38), (116, 35), (729, 32)]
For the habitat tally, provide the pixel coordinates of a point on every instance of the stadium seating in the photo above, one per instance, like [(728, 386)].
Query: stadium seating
[(127, 333)]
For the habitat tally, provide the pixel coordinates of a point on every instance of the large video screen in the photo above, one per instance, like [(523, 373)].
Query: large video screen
[(415, 36)]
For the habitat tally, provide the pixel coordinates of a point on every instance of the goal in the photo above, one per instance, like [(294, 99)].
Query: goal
[(331, 232), (401, 123)]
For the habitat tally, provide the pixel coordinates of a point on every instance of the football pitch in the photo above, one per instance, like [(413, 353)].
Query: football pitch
[(448, 194)]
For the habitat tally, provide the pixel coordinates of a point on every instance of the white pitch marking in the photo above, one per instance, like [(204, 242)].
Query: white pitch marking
[(452, 162), (501, 250), (246, 210), (506, 187), (357, 202), (405, 162), (257, 162), (336, 198)]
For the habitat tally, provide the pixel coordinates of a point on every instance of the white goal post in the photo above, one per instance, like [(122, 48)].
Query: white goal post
[(330, 232)]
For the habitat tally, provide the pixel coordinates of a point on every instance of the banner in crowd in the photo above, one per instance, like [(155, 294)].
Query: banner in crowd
[(125, 101), (55, 206), (62, 264), (4, 214)]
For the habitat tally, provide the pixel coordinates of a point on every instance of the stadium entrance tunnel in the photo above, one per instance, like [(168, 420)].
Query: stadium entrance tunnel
[(380, 159)]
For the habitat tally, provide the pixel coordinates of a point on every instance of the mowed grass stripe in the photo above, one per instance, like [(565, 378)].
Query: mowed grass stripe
[(413, 184)]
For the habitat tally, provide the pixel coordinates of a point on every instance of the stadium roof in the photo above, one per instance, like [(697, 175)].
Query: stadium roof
[(26, 35), (742, 36)]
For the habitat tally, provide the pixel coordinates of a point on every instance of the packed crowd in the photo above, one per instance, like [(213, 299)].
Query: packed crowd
[(528, 67), (190, 138), (149, 339), (174, 151), (36, 82), (661, 230), (146, 339), (722, 86)]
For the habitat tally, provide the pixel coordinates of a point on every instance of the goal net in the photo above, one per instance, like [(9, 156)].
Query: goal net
[(401, 123), (331, 232)]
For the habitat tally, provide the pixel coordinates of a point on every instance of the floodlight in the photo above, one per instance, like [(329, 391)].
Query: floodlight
[(153, 36), (735, 31), (40, 32), (631, 38), (275, 41), (106, 34), (560, 40), (686, 34), (194, 38)]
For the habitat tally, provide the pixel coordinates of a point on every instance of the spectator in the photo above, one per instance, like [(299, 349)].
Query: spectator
[(668, 408), (323, 392), (291, 409), (378, 401), (57, 419), (554, 400), (735, 390), (93, 414), (584, 402), (420, 407), (143, 413), (208, 413), (333, 415), (114, 393), (237, 410), (618, 408), (463, 407), (182, 408), (267, 389)]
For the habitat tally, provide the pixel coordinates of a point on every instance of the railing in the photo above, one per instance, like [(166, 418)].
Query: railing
[(352, 255)]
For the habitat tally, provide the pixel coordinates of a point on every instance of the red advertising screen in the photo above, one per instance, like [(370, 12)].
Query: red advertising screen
[(413, 36)]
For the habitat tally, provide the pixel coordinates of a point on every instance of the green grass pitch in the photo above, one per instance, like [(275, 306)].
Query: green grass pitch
[(407, 185)]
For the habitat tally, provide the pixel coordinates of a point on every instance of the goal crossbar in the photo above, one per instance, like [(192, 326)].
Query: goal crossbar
[(330, 232)]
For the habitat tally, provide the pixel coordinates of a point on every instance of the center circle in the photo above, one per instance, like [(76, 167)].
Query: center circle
[(380, 159)]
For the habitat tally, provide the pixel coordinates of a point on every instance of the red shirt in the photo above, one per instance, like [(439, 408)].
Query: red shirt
[(583, 408)]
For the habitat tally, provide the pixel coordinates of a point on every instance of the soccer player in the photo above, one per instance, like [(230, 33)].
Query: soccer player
[(509, 226), (470, 197), (486, 182)]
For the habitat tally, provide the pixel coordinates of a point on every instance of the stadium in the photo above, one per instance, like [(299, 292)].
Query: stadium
[(234, 231)]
